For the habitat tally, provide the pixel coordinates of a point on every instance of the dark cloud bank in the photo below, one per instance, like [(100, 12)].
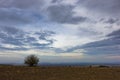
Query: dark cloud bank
[(106, 46), (64, 14)]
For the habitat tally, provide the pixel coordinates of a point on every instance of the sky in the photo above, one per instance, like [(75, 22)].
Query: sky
[(60, 31)]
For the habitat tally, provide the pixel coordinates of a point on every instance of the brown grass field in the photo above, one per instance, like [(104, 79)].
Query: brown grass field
[(59, 73)]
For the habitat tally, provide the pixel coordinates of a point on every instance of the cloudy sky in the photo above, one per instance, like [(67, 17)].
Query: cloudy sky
[(60, 30)]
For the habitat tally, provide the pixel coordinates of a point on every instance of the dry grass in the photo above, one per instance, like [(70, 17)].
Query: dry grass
[(58, 73)]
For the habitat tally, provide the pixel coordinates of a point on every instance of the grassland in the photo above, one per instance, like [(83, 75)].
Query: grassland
[(59, 73)]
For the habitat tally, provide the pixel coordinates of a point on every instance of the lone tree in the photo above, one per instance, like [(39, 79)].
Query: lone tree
[(31, 60)]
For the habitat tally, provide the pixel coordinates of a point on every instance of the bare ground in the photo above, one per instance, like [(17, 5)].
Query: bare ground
[(59, 73)]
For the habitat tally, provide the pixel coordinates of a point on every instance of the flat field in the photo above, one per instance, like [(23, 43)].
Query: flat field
[(59, 73)]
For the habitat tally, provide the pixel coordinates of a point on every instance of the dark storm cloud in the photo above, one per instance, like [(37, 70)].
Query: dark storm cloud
[(16, 16), (107, 6), (20, 39), (64, 14)]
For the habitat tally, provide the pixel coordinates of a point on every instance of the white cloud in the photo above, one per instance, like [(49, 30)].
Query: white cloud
[(67, 41), (9, 46)]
